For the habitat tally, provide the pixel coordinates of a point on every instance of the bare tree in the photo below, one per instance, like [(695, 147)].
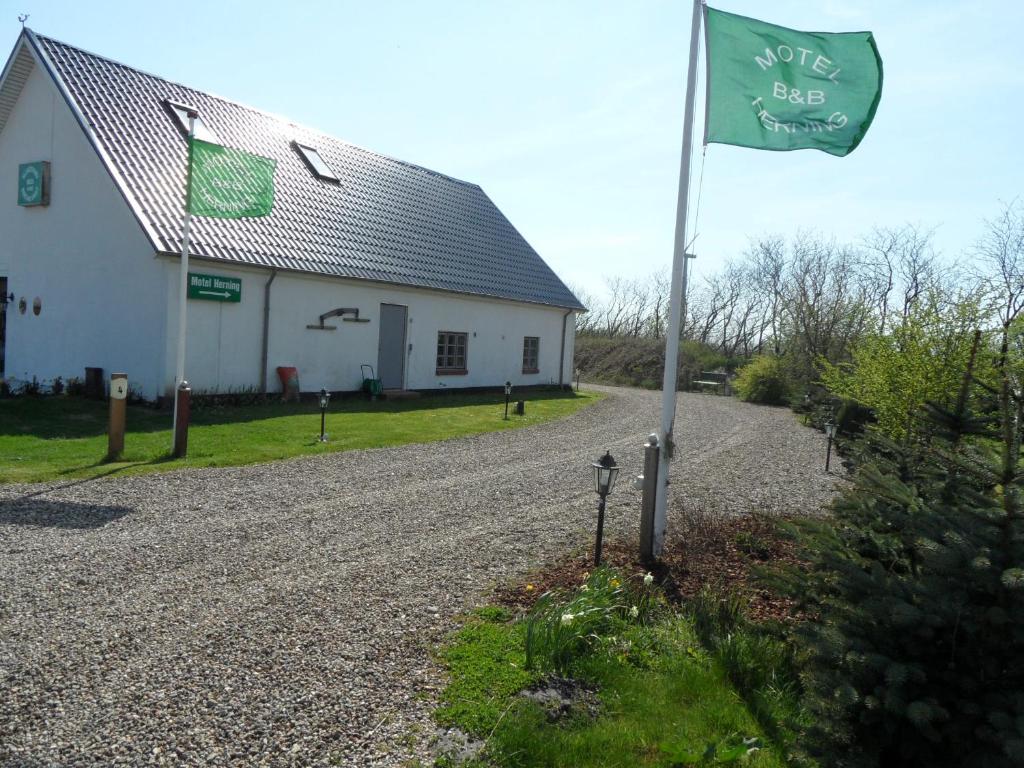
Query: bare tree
[(1001, 253), (584, 320), (768, 259), (809, 298), (660, 288), (899, 261)]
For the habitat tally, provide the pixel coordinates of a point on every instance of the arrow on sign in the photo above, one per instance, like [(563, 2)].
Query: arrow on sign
[(225, 294)]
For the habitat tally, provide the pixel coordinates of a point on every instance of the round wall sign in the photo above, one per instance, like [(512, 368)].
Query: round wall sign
[(30, 183)]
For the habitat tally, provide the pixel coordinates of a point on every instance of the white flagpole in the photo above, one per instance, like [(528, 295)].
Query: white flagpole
[(668, 390), (179, 373)]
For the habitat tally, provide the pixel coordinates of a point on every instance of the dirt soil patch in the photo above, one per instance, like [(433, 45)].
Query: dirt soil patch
[(722, 555)]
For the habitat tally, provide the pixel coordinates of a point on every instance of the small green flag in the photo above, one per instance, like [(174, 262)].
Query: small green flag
[(228, 183), (775, 88)]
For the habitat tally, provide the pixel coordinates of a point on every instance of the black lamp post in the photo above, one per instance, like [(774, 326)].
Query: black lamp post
[(605, 474), (508, 393), (577, 379), (325, 398), (830, 430)]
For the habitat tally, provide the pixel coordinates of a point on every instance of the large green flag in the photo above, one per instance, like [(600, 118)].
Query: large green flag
[(229, 183), (775, 88)]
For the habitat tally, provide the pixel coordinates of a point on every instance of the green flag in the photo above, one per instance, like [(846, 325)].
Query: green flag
[(775, 88), (228, 183)]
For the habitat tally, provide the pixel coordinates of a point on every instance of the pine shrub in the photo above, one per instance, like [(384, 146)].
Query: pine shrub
[(917, 653)]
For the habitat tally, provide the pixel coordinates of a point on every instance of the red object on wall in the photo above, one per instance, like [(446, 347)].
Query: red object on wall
[(289, 382)]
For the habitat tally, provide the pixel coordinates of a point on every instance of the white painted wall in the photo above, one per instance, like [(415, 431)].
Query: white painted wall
[(108, 302), (84, 256), (224, 338)]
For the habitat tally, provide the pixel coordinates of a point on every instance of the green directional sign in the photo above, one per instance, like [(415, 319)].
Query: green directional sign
[(34, 184), (214, 287)]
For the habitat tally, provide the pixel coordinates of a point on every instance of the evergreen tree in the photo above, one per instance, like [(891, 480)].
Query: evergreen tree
[(916, 656)]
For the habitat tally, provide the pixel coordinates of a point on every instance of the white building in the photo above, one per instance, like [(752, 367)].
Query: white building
[(445, 291)]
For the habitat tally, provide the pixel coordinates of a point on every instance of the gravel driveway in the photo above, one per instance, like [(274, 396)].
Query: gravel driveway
[(283, 614)]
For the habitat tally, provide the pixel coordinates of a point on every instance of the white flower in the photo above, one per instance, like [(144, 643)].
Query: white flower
[(634, 612), (584, 588), (648, 579), (567, 618)]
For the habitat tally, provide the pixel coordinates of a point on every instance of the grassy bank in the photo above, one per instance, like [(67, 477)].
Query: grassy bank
[(640, 362), (52, 438)]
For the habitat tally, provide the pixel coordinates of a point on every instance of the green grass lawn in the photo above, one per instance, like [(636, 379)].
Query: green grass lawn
[(664, 699), (52, 438)]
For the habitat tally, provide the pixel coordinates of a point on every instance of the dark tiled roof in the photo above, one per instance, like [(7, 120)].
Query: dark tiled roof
[(386, 220)]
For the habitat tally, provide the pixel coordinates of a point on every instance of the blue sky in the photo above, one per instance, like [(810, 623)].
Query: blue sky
[(569, 114)]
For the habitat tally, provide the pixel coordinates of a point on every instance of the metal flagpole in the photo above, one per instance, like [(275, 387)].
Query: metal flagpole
[(668, 389), (179, 373)]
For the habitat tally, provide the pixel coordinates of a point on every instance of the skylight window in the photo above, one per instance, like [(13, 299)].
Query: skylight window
[(180, 112), (315, 162)]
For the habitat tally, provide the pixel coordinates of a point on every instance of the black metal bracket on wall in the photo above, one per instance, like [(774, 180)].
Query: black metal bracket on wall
[(340, 312)]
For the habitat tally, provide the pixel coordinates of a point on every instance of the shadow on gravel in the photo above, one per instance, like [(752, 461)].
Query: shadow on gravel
[(59, 514)]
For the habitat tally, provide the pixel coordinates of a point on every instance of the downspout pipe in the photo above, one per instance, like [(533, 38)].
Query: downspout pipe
[(266, 332), (561, 355)]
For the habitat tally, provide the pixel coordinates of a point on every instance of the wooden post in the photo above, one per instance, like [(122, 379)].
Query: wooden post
[(647, 502), (118, 403), (182, 402)]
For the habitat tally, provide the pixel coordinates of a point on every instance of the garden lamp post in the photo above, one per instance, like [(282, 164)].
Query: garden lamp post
[(830, 430), (605, 474), (508, 393), (577, 379), (325, 398)]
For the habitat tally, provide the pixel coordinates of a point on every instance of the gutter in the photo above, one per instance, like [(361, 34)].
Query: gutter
[(264, 347), (561, 355)]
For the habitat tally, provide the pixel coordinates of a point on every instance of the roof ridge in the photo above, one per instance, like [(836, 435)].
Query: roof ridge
[(267, 113)]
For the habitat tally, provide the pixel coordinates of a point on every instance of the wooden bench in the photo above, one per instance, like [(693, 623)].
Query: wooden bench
[(719, 382)]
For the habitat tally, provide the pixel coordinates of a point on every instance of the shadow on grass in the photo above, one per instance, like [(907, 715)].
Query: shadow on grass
[(50, 418), (122, 466), (48, 513)]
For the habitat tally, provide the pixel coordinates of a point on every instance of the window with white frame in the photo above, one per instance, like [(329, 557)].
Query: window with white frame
[(451, 352), (531, 354)]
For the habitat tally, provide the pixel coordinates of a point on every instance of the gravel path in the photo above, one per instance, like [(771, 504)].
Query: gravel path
[(283, 614)]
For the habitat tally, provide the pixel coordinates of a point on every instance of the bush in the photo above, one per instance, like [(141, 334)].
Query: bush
[(917, 656), (75, 387), (763, 380), (233, 398), (852, 418), (917, 361)]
